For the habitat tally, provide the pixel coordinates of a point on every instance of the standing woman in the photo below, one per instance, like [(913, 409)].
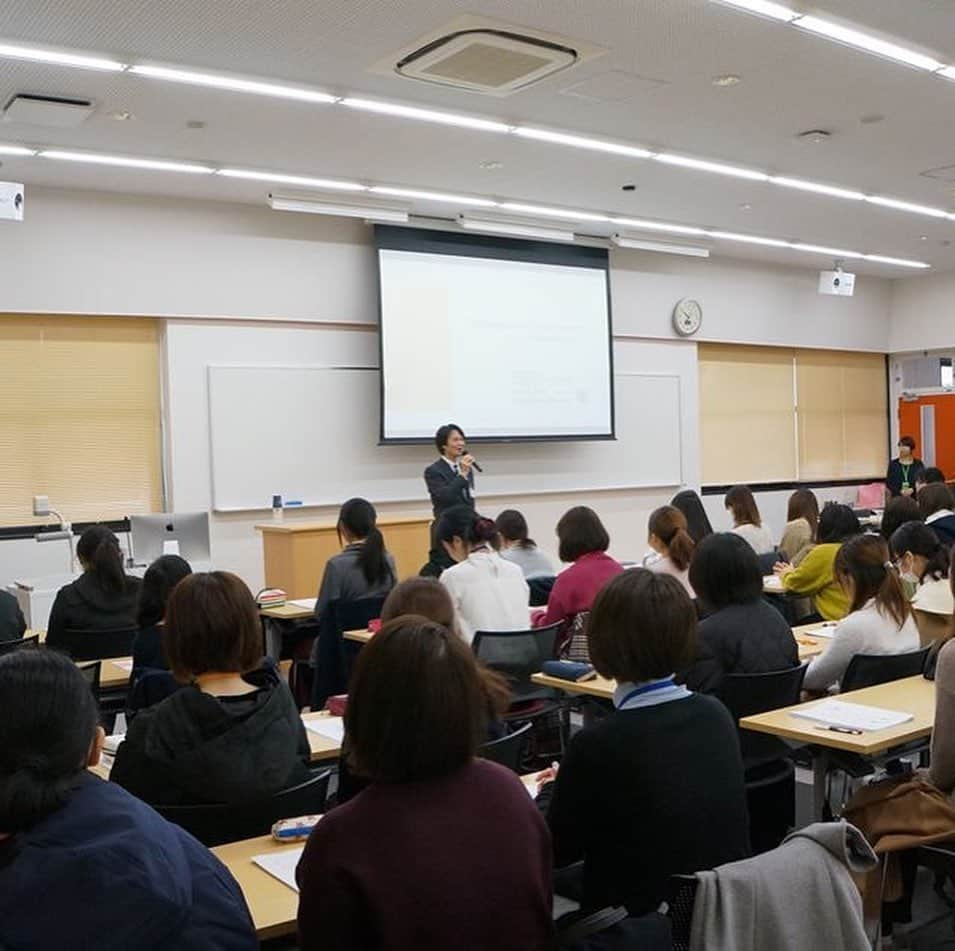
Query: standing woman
[(697, 521), (904, 470), (802, 521), (747, 523), (669, 538), (103, 598)]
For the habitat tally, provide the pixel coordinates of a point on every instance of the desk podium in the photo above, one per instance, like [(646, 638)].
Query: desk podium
[(296, 552)]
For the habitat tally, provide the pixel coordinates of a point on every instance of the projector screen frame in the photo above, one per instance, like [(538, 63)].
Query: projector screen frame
[(454, 244)]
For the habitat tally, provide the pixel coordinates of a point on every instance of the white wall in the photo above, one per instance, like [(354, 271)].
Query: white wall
[(262, 274), (923, 313)]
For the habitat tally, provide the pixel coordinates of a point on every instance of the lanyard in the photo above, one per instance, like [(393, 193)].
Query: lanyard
[(905, 473), (646, 688)]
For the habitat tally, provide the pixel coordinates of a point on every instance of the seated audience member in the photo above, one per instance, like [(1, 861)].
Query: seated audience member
[(517, 547), (923, 563), (880, 619), (670, 540), (747, 523), (583, 541), (815, 577), (103, 598), (802, 520), (942, 769), (232, 733), (697, 521), (655, 789), (363, 569), (442, 850), (897, 512), (82, 863), (938, 509), (931, 475), (489, 593), (741, 633), (13, 625)]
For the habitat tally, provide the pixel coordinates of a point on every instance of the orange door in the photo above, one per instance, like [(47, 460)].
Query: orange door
[(910, 424)]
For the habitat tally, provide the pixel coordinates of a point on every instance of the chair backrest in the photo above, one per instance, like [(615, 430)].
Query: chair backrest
[(516, 654), (7, 646), (867, 670), (216, 823), (331, 673), (91, 671), (746, 694), (508, 749), (767, 560), (151, 686), (540, 589), (93, 645)]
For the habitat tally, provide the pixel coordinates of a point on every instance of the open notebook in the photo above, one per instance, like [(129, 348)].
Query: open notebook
[(852, 716)]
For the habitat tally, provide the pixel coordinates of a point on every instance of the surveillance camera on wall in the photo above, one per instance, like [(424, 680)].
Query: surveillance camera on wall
[(11, 201), (839, 283)]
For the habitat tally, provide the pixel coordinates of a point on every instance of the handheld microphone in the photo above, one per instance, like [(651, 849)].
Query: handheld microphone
[(474, 462)]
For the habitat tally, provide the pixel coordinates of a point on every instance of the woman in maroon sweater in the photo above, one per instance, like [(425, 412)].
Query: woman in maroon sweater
[(442, 850)]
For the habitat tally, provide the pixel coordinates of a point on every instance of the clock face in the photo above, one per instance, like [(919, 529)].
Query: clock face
[(687, 317)]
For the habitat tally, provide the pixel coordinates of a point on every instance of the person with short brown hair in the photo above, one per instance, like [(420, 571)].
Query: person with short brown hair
[(442, 850), (937, 506), (656, 789), (904, 471), (233, 732), (802, 522)]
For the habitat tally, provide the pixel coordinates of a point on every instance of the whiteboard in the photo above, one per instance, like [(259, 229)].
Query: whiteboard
[(310, 434)]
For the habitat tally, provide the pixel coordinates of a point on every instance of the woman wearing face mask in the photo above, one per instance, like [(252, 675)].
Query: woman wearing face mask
[(923, 563)]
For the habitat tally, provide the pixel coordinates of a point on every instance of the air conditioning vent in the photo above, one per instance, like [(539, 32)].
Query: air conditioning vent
[(495, 62), (52, 112)]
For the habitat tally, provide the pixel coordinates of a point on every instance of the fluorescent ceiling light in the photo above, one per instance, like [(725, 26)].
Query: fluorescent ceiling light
[(425, 115), (154, 165), (16, 150), (545, 212), (947, 73), (433, 196), (817, 187), (775, 11), (749, 239), (56, 58), (641, 225), (641, 244), (831, 252), (368, 212), (514, 229), (581, 142), (330, 184), (233, 83), (702, 165), (867, 43), (901, 262), (906, 206)]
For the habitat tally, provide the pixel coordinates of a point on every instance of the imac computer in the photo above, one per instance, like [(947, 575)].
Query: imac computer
[(176, 533)]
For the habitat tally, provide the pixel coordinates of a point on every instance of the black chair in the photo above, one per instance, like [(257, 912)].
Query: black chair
[(769, 559), (147, 687), (334, 657), (217, 823), (91, 671), (508, 750), (7, 646), (517, 655), (747, 694), (868, 670), (771, 803), (540, 590), (98, 645)]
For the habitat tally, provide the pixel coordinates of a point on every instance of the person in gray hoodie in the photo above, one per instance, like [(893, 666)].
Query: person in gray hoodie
[(232, 734)]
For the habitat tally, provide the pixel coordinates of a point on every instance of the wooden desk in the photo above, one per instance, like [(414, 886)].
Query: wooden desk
[(808, 645), (598, 687), (112, 675), (274, 905), (323, 748), (914, 695), (287, 612), (361, 637), (772, 584), (296, 552)]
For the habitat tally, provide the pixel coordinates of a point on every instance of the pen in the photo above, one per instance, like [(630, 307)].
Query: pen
[(841, 729)]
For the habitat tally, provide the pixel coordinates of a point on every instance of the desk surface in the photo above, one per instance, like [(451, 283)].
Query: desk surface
[(114, 673), (772, 584), (914, 695), (293, 527), (322, 747), (287, 612), (362, 637)]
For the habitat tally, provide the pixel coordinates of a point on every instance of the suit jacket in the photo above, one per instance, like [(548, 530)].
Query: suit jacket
[(447, 489)]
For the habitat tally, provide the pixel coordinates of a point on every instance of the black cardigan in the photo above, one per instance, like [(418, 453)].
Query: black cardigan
[(894, 476), (648, 793)]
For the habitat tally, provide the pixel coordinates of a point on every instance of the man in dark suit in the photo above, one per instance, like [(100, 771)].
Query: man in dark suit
[(450, 482)]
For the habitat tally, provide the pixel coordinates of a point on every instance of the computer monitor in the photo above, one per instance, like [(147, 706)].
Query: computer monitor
[(151, 536)]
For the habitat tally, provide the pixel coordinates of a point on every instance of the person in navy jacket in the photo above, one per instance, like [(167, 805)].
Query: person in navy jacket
[(83, 864)]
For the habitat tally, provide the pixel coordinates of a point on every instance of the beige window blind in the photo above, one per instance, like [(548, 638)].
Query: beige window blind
[(774, 414), (79, 417)]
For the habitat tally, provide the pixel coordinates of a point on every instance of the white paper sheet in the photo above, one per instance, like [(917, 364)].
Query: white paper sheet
[(772, 583), (307, 603), (332, 728), (125, 663), (281, 865), (853, 716)]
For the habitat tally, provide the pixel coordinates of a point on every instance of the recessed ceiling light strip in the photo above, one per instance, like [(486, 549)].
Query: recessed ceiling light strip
[(122, 161), (232, 83), (35, 54)]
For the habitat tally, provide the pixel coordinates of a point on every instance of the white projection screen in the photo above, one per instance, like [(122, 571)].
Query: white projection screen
[(509, 339)]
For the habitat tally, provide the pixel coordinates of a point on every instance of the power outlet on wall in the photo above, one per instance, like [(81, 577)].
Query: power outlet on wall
[(41, 505)]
